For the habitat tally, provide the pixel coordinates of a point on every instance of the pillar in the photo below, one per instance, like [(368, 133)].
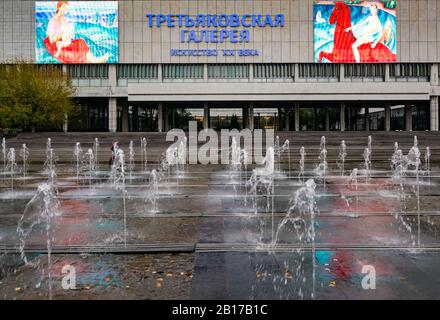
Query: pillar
[(341, 72), (388, 117), (166, 124), (434, 74), (112, 80), (65, 124), (296, 108), (160, 72), (112, 115), (367, 119), (251, 72), (251, 116), (342, 116), (245, 117), (327, 119), (125, 118), (205, 116), (286, 119), (434, 116), (408, 118), (160, 117), (205, 72), (386, 77)]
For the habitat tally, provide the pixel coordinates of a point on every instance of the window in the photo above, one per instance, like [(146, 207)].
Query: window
[(314, 70), (183, 71), (137, 71), (88, 71), (410, 70), (228, 71), (273, 70), (368, 70)]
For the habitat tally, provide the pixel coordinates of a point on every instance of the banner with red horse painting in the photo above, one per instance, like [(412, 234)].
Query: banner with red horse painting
[(355, 31)]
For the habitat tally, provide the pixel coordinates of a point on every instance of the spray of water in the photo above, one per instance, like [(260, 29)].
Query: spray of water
[(24, 155), (4, 153), (342, 156), (299, 223), (37, 218)]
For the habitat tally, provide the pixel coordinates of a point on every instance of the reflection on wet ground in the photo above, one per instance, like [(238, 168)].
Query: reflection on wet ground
[(213, 238)]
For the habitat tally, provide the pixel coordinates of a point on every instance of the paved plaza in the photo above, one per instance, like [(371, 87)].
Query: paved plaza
[(202, 232)]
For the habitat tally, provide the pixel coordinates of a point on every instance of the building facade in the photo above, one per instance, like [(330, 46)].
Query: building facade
[(245, 73)]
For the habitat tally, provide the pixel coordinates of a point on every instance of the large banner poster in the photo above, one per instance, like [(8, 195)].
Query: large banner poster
[(355, 31), (76, 31)]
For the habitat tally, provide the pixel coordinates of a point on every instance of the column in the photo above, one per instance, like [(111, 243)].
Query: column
[(434, 74), (112, 80), (388, 117), (296, 73), (125, 118), (245, 117), (112, 115), (65, 124), (205, 116), (166, 124), (251, 72), (387, 73), (296, 107), (434, 116), (408, 118), (367, 119), (160, 117), (160, 72), (286, 119), (327, 119), (251, 116), (205, 72), (342, 116), (341, 72)]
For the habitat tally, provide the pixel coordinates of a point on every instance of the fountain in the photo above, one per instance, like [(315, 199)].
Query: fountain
[(11, 166), (95, 152), (342, 156), (118, 180), (144, 153), (301, 216), (37, 217), (49, 166), (24, 154), (263, 178), (4, 153), (322, 167), (353, 183), (78, 154), (367, 163), (302, 159), (131, 157), (369, 145), (90, 158), (153, 191)]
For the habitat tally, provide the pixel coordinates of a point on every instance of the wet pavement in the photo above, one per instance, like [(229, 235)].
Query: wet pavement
[(211, 239)]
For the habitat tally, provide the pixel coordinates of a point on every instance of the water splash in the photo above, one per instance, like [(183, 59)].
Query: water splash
[(322, 168), (301, 217), (24, 155), (144, 159), (117, 177), (37, 218), (342, 156), (96, 153), (11, 166), (131, 157), (302, 159), (4, 153), (90, 160), (367, 163), (78, 154)]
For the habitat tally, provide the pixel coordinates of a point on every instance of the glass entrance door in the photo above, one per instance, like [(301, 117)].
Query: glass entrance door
[(226, 118)]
